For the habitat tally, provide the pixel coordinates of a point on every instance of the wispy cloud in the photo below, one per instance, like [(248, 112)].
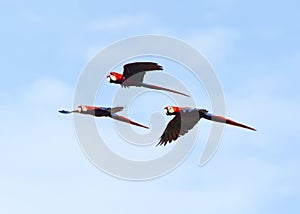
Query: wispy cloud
[(119, 23), (214, 43)]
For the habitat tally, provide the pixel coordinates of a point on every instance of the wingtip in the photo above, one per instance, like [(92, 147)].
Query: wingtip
[(159, 144), (117, 109), (162, 143), (63, 111)]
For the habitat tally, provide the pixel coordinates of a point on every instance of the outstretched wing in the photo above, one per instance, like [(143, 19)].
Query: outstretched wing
[(116, 109), (105, 111), (99, 112), (65, 112), (126, 120), (171, 132), (136, 71), (178, 126)]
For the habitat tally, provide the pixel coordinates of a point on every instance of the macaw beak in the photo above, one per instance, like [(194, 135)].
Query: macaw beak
[(166, 110), (108, 78)]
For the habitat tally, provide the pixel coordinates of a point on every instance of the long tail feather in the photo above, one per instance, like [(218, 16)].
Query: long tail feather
[(126, 120), (162, 88), (221, 119)]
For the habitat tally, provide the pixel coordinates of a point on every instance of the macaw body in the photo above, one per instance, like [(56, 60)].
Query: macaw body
[(186, 118), (133, 75), (103, 112)]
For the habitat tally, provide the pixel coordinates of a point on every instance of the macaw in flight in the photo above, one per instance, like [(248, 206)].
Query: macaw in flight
[(133, 75), (186, 118), (103, 112)]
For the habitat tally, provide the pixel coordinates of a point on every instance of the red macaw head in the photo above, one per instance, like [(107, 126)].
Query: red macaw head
[(171, 110), (114, 77), (83, 109)]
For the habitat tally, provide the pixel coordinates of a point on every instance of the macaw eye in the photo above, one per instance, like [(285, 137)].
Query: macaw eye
[(113, 77), (170, 109)]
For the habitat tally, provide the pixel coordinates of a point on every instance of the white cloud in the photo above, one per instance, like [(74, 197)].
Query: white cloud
[(47, 92), (109, 30), (119, 23), (214, 43)]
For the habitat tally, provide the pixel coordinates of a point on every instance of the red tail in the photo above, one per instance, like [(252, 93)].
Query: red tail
[(126, 120), (162, 88), (230, 122)]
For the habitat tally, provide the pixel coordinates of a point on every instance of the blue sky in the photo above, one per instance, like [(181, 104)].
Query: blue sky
[(254, 49)]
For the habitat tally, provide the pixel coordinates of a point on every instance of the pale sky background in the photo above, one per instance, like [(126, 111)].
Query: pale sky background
[(254, 49)]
